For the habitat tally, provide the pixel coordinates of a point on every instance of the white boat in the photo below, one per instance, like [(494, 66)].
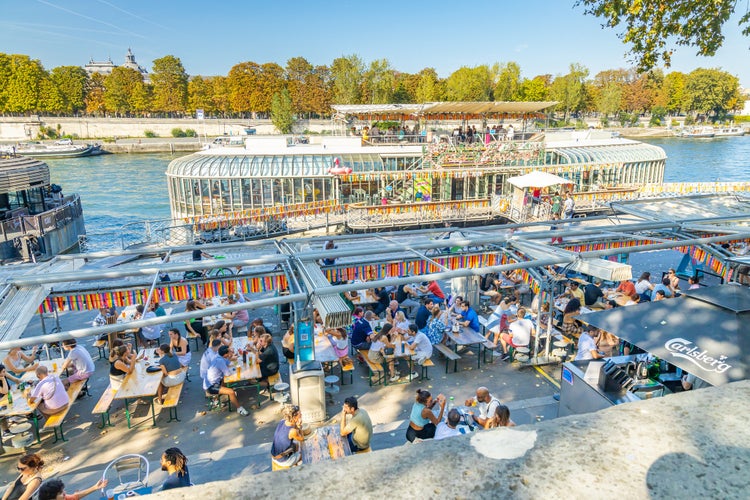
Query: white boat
[(61, 150), (729, 131), (697, 132)]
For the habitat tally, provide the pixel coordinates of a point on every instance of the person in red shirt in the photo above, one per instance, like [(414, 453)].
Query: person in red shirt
[(627, 288), (434, 289), (55, 489)]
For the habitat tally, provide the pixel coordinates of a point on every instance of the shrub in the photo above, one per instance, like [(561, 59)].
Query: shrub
[(150, 134), (189, 132), (604, 120), (675, 123), (689, 120), (178, 132)]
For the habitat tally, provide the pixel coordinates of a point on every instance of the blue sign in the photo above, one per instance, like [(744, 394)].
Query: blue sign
[(304, 343), (567, 375)]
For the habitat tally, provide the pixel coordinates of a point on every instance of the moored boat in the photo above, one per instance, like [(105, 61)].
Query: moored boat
[(57, 150), (729, 131), (705, 132)]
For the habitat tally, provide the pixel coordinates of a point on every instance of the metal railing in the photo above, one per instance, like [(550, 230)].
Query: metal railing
[(45, 222), (376, 217)]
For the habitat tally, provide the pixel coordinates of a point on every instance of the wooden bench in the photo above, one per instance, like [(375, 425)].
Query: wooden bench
[(374, 370), (171, 399), (449, 355), (101, 346), (347, 367), (56, 421), (423, 372), (103, 405), (490, 347)]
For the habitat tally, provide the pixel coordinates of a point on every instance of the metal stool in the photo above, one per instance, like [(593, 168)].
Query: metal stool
[(331, 387), (520, 354), (280, 388)]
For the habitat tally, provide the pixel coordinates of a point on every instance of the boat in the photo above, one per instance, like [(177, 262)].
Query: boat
[(704, 132), (60, 149), (729, 131)]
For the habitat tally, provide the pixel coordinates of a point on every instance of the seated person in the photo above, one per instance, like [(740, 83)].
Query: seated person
[(570, 326), (423, 421), (435, 330), (175, 464), (208, 357), (423, 313), (147, 334), (195, 325), (376, 354), (587, 348), (361, 330), (391, 311), (172, 370), (659, 295), (213, 383), (268, 357), (516, 277), (54, 489), (434, 291), (486, 404), (665, 286), (358, 427), (593, 295), (80, 359), (49, 393), (101, 318), (285, 449), (179, 347), (501, 418), (400, 323), (406, 295), (287, 344), (121, 362), (469, 317), (18, 362), (608, 344), (239, 318), (626, 288), (340, 344), (575, 292), (383, 301), (449, 427), (519, 333), (421, 345), (5, 379)]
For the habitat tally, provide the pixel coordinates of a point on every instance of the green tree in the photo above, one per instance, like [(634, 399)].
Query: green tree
[(346, 73), (508, 83), (536, 89), (242, 82), (170, 85), (95, 104), (318, 91), (270, 82), (282, 112), (428, 88), (200, 95), (6, 72), (50, 99), (70, 82), (222, 95), (650, 24), (379, 82), (568, 90), (673, 92), (711, 91), (469, 84), (23, 85), (124, 91)]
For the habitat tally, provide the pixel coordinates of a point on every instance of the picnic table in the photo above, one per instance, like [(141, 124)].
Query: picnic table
[(19, 408), (215, 301), (618, 297), (248, 371), (324, 444), (141, 384), (467, 337), (402, 350), (53, 365)]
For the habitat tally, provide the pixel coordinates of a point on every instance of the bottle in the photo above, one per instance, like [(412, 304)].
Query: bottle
[(10, 398), (244, 357), (451, 404)]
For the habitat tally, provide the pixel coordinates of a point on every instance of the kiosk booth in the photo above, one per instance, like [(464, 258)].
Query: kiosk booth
[(705, 332)]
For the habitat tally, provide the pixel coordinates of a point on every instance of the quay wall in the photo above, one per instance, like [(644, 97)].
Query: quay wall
[(27, 128), (687, 445)]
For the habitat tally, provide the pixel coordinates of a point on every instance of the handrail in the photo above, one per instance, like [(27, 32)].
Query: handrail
[(43, 222)]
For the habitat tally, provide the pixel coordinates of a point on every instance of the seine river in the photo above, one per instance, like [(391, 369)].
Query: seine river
[(121, 189)]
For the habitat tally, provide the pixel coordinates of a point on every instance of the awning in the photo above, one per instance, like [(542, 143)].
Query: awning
[(706, 332), (539, 179)]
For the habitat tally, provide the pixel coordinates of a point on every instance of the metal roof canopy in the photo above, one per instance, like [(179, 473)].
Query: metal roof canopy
[(708, 340), (674, 208)]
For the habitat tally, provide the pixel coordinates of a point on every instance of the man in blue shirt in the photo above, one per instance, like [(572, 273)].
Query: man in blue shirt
[(469, 316), (213, 383), (361, 330), (424, 313), (174, 462), (664, 286)]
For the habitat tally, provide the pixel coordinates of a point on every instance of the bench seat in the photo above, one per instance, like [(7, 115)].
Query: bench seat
[(449, 355), (171, 399), (374, 370), (103, 405), (55, 422)]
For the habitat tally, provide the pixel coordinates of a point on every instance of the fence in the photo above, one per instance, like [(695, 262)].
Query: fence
[(45, 222)]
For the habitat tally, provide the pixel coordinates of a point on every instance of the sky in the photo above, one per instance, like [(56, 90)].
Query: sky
[(542, 36)]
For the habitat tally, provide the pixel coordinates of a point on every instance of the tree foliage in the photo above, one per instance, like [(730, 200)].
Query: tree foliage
[(470, 84), (70, 82), (170, 85), (649, 26), (711, 91), (508, 82), (282, 114), (346, 73), (568, 89), (124, 91)]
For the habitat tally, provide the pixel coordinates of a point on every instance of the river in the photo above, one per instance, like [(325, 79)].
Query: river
[(121, 189)]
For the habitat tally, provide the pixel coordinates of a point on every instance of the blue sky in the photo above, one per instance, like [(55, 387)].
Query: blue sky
[(542, 36)]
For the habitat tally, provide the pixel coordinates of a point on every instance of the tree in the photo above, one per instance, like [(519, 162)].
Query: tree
[(650, 24), (95, 104), (242, 82), (428, 88), (282, 113), (636, 94), (22, 88), (673, 92), (568, 89), (200, 95), (318, 91), (50, 100), (379, 82), (222, 99), (536, 89), (124, 91), (170, 85), (298, 70), (711, 91), (346, 73), (508, 83), (609, 101), (270, 82), (469, 84), (70, 82)]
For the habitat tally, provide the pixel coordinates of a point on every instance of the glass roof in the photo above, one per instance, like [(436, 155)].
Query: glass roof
[(615, 153), (202, 166)]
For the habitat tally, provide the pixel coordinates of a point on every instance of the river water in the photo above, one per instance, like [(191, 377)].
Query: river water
[(123, 188)]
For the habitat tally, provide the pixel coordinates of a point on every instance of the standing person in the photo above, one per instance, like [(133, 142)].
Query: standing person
[(569, 206), (556, 204), (330, 245), (49, 392), (79, 357), (361, 330), (213, 382), (358, 429), (554, 227), (174, 462), (54, 489), (180, 347), (171, 369), (29, 478), (285, 450), (423, 421)]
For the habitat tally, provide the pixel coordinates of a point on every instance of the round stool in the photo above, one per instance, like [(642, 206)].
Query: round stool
[(281, 388), (521, 354), (331, 387), (21, 435), (560, 343)]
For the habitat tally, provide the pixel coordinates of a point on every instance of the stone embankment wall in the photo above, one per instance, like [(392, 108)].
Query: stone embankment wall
[(688, 445)]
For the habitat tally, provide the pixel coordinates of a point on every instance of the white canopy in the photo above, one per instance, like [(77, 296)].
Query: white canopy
[(538, 179)]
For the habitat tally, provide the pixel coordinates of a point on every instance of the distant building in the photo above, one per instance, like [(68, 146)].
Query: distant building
[(106, 67)]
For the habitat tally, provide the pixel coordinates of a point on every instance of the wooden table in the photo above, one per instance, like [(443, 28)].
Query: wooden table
[(402, 350), (618, 297), (50, 364), (213, 302), (248, 371), (561, 302), (141, 384), (19, 408), (324, 350), (325, 444), (467, 336)]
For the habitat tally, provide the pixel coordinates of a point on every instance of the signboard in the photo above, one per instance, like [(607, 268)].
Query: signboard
[(199, 114)]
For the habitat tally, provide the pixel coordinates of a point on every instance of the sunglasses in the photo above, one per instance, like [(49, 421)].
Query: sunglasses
[(21, 468)]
